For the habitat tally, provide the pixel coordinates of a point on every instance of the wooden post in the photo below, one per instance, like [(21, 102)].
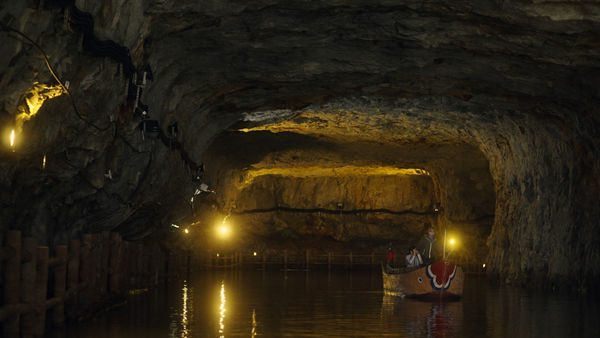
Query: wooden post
[(350, 260), (138, 266), (285, 259), (41, 284), (12, 279), (28, 286), (94, 267), (307, 260), (103, 266), (141, 266), (133, 266), (125, 265), (114, 284), (86, 268), (156, 264), (73, 277), (60, 279), (329, 261)]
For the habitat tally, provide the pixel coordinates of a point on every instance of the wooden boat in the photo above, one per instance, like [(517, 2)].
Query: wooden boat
[(440, 280)]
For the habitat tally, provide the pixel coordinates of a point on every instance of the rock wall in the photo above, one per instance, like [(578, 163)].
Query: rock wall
[(396, 193)]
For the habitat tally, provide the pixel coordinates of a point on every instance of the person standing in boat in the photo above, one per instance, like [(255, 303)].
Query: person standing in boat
[(428, 247), (414, 259)]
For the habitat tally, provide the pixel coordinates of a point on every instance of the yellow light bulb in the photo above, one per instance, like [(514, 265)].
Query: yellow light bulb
[(223, 230), (12, 138), (451, 241), (483, 265), (186, 231), (254, 253)]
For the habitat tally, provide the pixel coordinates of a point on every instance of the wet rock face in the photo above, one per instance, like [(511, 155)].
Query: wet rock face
[(495, 100), (345, 190)]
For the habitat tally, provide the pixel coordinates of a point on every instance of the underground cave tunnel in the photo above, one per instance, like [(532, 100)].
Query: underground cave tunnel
[(315, 133), (311, 187)]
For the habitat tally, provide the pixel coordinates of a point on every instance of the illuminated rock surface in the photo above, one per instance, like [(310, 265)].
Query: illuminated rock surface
[(497, 101)]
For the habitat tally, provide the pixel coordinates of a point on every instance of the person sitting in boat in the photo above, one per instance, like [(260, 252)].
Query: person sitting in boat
[(428, 247), (390, 257), (414, 259)]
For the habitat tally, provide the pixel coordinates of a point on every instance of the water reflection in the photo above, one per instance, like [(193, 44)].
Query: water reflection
[(184, 317), (182, 330), (336, 304), (419, 318), (222, 310), (253, 332)]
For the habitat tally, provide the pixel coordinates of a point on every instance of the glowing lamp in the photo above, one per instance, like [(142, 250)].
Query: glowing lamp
[(254, 253), (44, 162), (186, 231), (483, 266), (452, 241), (12, 139), (222, 229)]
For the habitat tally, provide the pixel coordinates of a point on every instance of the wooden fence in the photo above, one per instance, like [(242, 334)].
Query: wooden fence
[(66, 281), (285, 260)]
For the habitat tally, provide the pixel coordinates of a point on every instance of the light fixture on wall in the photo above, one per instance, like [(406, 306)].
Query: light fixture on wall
[(12, 140)]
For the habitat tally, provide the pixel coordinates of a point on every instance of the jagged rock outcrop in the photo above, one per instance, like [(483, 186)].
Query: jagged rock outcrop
[(497, 100)]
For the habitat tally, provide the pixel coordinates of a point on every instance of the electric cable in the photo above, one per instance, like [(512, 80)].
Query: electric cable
[(49, 66)]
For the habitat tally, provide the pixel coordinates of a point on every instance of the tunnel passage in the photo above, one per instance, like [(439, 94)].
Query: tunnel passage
[(290, 189), (516, 82)]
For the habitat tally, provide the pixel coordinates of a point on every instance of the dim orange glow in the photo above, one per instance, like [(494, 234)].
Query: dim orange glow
[(44, 162)]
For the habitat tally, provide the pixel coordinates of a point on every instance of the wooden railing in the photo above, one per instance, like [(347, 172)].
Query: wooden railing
[(71, 280), (284, 259)]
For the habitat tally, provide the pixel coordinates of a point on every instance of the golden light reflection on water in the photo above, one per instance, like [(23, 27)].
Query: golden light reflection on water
[(184, 312), (253, 332), (222, 311)]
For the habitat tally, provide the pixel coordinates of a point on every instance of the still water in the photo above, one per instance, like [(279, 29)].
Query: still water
[(336, 304)]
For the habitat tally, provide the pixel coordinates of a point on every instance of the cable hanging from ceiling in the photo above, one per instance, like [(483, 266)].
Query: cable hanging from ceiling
[(64, 87), (83, 23)]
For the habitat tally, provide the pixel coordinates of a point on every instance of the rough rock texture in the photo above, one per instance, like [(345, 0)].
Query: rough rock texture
[(433, 85), (349, 189)]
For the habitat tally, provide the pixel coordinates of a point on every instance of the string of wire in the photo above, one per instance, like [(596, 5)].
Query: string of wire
[(49, 66)]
